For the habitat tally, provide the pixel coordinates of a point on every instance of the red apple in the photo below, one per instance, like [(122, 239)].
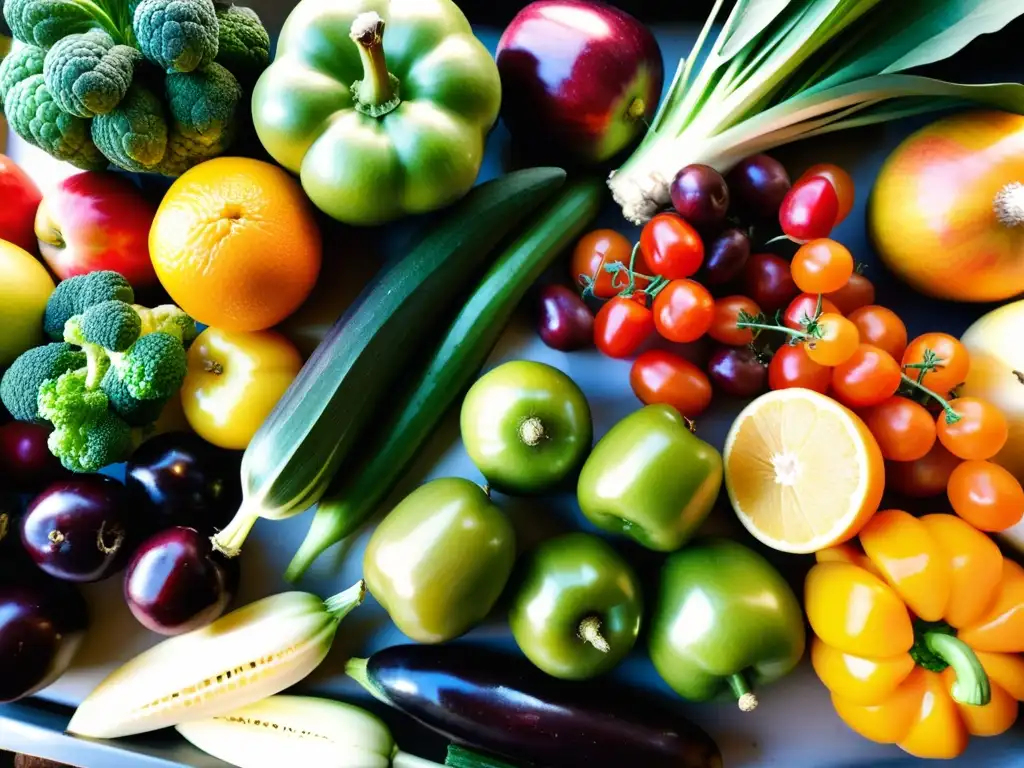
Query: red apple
[(19, 198), (94, 221), (579, 77)]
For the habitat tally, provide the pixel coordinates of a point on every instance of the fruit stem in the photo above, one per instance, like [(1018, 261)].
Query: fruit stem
[(972, 685), (358, 670), (1020, 376), (229, 541), (1009, 205), (636, 108), (745, 698), (590, 632), (377, 93), (212, 366), (952, 417), (799, 335), (531, 431)]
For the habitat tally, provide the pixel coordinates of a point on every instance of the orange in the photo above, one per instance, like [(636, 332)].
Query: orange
[(235, 244), (802, 472)]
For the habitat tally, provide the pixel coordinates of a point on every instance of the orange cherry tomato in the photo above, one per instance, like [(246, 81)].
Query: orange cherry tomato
[(723, 326), (683, 311), (986, 495), (842, 183), (597, 249), (839, 340), (905, 430), (671, 247), (882, 328), (870, 376), (659, 376), (804, 308), (792, 368), (924, 478), (822, 266), (858, 292), (979, 434), (621, 326), (951, 357)]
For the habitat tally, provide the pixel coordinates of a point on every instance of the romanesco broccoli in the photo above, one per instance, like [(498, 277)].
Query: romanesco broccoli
[(244, 45), (134, 135), (154, 367), (88, 74), (19, 65), (176, 35), (202, 106), (44, 22), (76, 294), (19, 387)]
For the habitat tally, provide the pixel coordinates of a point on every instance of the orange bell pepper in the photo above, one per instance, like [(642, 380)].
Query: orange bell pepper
[(917, 633)]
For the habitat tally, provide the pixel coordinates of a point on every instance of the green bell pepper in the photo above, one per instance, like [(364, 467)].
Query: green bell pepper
[(378, 126), (725, 622), (650, 478)]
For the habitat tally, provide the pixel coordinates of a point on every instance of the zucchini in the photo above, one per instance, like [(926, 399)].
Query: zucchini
[(355, 494), (295, 453)]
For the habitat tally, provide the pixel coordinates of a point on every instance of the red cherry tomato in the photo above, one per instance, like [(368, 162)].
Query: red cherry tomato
[(658, 376), (954, 361), (791, 367), (881, 327), (621, 326), (838, 342), (858, 292), (683, 311), (986, 495), (671, 247), (804, 308), (769, 281), (841, 181), (597, 249), (727, 312), (924, 478), (822, 266), (809, 210), (979, 434), (905, 431), (868, 378)]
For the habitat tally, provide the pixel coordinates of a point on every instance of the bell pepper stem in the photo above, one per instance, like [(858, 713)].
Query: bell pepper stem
[(343, 603), (972, 685), (745, 697), (377, 93), (590, 632)]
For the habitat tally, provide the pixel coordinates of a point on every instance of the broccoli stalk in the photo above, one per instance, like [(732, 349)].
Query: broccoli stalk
[(110, 326)]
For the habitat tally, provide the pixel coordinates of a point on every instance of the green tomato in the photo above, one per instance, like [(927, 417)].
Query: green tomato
[(577, 611), (526, 426), (440, 560)]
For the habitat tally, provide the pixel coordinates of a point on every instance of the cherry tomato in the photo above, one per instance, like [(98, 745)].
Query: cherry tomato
[(727, 312), (881, 327), (869, 377), (737, 372), (822, 266), (924, 478), (980, 433), (621, 326), (791, 368), (671, 247), (954, 361), (598, 248), (905, 431), (841, 182), (809, 210), (986, 495), (683, 311), (804, 308), (769, 281), (839, 341), (858, 292), (658, 376)]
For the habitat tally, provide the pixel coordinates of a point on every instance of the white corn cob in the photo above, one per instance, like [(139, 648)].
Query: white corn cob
[(245, 656)]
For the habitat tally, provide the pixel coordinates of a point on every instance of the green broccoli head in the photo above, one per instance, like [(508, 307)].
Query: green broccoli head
[(35, 117), (87, 436), (113, 325), (176, 35), (155, 366), (244, 45), (133, 136), (44, 22), (134, 412), (19, 65), (88, 73), (19, 387), (76, 294)]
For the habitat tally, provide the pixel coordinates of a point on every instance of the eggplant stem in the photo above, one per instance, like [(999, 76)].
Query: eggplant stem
[(590, 632), (358, 670)]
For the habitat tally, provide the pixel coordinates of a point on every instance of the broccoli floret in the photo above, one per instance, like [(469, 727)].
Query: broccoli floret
[(135, 412), (133, 136), (35, 117), (168, 318), (176, 35), (19, 387), (44, 22), (110, 326), (87, 436), (154, 368), (244, 45), (19, 65), (88, 74), (204, 101), (76, 294)]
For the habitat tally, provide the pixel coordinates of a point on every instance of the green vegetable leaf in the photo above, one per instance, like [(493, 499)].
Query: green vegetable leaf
[(751, 19)]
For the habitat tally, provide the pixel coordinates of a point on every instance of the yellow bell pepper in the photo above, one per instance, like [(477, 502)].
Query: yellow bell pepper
[(917, 633)]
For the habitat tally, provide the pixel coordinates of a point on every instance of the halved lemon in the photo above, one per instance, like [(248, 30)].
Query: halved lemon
[(802, 472)]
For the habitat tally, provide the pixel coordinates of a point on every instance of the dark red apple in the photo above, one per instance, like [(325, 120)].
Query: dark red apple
[(19, 199), (578, 77), (94, 221)]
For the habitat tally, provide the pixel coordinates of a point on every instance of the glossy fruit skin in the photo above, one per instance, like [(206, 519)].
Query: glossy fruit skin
[(737, 372), (80, 529), (683, 311), (182, 480), (600, 248), (809, 210), (526, 426), (869, 377), (176, 582), (234, 380), (621, 326), (651, 479), (671, 247), (955, 361), (904, 429), (700, 195), (724, 327), (24, 291), (822, 266), (857, 293), (979, 435), (26, 463), (882, 328), (838, 343), (804, 308), (580, 78), (986, 495), (564, 322), (659, 376), (21, 198), (925, 478), (758, 186), (438, 562), (42, 624), (566, 581), (769, 282), (841, 182), (791, 367), (493, 701), (725, 257), (752, 624)]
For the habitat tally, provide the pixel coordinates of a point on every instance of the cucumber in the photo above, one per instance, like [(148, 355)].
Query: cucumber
[(355, 494), (293, 456)]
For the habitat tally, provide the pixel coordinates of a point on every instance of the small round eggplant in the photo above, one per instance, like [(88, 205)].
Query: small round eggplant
[(564, 322)]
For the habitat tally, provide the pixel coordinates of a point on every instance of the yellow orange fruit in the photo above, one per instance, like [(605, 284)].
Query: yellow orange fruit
[(24, 290), (235, 244), (802, 472)]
